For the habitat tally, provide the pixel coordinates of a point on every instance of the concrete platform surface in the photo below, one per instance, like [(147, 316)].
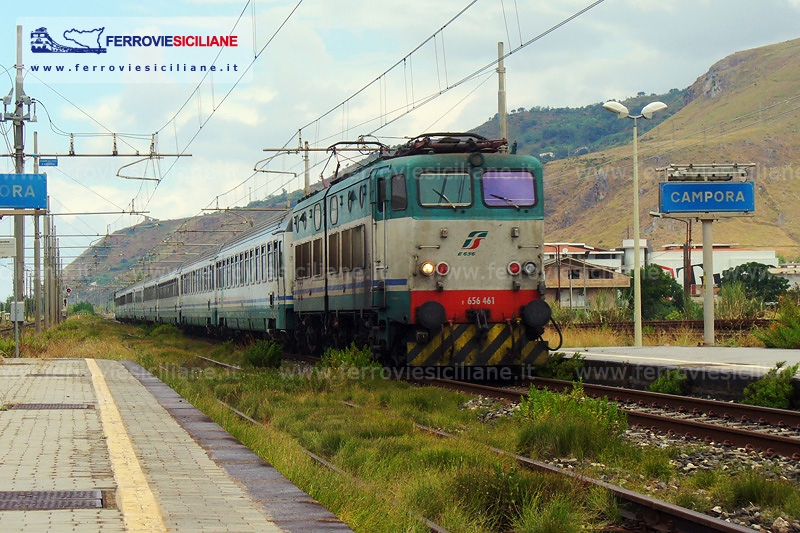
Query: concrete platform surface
[(751, 360), (97, 445)]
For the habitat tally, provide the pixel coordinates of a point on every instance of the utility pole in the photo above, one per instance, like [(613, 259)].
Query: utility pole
[(37, 254), (501, 93), (19, 118), (48, 272)]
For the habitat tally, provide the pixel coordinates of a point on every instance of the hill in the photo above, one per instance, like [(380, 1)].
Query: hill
[(744, 109)]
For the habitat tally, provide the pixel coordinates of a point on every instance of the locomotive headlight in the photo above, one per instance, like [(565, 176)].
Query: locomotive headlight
[(427, 268), (529, 268), (514, 268)]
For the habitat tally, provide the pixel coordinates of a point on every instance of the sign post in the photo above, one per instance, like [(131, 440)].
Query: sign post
[(8, 248), (707, 193)]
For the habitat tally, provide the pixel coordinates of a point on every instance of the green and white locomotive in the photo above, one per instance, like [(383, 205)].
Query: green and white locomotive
[(430, 253)]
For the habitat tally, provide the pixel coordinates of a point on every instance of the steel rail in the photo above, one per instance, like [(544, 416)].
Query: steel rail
[(766, 442), (715, 408), (648, 511)]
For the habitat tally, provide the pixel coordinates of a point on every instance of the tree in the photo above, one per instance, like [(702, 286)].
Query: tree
[(661, 294), (759, 284)]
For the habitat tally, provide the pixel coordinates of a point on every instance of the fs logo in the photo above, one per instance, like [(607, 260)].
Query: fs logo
[(83, 41), (473, 241)]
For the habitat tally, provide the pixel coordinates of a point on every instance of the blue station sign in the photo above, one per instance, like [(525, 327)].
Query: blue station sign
[(707, 197), (23, 191)]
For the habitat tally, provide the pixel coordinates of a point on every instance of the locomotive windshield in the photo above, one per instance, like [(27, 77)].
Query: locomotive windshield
[(449, 189), (507, 188)]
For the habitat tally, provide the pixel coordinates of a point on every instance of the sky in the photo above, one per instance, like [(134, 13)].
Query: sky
[(330, 70)]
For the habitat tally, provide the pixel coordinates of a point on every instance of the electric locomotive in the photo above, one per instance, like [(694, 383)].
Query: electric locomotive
[(431, 254)]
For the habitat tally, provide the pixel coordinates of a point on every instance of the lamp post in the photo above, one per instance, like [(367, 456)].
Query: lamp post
[(687, 257), (647, 113)]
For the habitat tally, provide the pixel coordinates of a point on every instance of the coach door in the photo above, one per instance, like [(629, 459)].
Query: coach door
[(391, 199)]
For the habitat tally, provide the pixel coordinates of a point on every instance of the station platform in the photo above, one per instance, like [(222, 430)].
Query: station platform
[(723, 369), (98, 445)]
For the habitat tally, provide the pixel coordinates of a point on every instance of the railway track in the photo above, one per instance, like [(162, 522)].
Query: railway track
[(711, 421), (641, 512)]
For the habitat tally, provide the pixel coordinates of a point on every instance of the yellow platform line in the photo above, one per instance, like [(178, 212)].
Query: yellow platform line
[(134, 497)]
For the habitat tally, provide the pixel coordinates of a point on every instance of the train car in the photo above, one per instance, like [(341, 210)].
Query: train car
[(129, 303), (198, 292), (432, 254), (253, 281)]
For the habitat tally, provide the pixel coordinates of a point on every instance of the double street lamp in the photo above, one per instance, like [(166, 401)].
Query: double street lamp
[(647, 112)]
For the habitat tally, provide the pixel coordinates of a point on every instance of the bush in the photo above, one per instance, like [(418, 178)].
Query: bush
[(81, 308), (785, 331), (263, 354), (350, 357), (568, 424), (670, 382), (559, 367), (773, 389), (734, 303)]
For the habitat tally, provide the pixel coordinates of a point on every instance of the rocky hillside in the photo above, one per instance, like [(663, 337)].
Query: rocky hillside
[(745, 110)]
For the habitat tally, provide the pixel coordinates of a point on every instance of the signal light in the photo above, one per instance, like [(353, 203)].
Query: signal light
[(426, 268), (443, 268), (69, 290), (529, 268), (514, 268)]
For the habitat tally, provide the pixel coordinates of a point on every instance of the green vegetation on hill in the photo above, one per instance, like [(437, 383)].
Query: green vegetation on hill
[(564, 132)]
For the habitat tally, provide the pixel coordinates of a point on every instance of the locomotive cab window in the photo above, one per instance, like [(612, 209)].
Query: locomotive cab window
[(508, 188), (399, 196), (444, 189)]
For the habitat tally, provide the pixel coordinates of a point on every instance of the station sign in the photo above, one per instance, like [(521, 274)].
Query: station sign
[(8, 247), (48, 162), (707, 197), (23, 191)]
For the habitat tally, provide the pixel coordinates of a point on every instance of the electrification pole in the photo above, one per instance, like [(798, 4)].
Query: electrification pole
[(501, 93), (19, 118)]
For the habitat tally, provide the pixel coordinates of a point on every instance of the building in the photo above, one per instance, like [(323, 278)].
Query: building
[(611, 259), (568, 265), (671, 259), (790, 271), (575, 283)]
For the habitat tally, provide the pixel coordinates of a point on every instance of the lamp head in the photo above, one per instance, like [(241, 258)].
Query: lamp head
[(616, 107), (651, 108)]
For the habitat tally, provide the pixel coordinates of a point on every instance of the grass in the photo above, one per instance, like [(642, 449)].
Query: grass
[(395, 471), (575, 337), (568, 425)]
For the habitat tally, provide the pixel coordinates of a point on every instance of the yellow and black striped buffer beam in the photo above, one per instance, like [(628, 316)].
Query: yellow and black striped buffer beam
[(467, 345)]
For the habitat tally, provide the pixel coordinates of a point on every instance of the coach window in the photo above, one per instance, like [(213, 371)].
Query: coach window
[(399, 196), (333, 253), (237, 270), (270, 265), (302, 260), (444, 189), (263, 262), (317, 257), (508, 188), (251, 267), (279, 264), (333, 210)]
